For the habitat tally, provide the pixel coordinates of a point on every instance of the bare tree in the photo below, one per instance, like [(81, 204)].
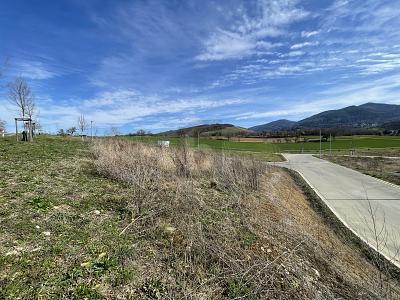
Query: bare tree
[(82, 124), (31, 108), (140, 132), (71, 131), (20, 95)]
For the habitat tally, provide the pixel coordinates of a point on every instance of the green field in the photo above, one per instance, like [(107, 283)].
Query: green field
[(345, 143)]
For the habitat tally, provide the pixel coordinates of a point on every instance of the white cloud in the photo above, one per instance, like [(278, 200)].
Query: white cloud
[(372, 49), (171, 123), (293, 53), (293, 110), (308, 34), (34, 70), (302, 45), (112, 98), (381, 62), (249, 33), (224, 45), (123, 107), (384, 90)]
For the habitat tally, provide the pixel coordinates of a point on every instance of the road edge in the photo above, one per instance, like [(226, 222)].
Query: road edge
[(340, 227), (373, 177)]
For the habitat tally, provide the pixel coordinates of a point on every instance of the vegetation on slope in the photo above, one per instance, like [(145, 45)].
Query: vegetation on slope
[(125, 221), (278, 125), (368, 115), (208, 130)]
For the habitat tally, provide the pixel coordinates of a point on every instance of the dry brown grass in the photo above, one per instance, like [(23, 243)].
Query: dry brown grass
[(384, 168), (205, 226)]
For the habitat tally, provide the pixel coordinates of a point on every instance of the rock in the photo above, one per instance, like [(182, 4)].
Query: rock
[(16, 251), (86, 264), (13, 252), (316, 272), (169, 229)]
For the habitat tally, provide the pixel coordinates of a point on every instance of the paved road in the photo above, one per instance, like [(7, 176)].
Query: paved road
[(351, 196)]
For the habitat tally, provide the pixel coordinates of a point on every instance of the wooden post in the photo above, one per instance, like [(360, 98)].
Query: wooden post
[(16, 129), (30, 130)]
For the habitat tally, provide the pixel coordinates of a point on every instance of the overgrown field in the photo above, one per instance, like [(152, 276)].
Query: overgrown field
[(362, 145), (387, 169), (118, 220)]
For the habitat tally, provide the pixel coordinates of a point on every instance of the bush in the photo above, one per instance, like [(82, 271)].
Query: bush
[(146, 166)]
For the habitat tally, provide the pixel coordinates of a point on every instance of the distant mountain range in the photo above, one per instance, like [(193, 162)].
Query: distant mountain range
[(278, 125), (368, 115)]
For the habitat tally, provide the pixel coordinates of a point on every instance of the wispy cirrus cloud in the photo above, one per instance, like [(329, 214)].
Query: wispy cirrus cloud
[(122, 107), (169, 123), (33, 70), (382, 90), (308, 34), (156, 63), (248, 34), (302, 45), (346, 38)]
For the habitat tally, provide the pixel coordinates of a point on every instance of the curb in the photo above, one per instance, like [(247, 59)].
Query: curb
[(378, 179), (396, 265)]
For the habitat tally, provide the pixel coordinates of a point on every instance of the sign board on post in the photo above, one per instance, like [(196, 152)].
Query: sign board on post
[(163, 144)]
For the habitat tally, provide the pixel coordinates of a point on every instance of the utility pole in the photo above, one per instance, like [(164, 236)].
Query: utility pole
[(320, 143), (330, 144), (198, 139), (91, 130), (352, 145)]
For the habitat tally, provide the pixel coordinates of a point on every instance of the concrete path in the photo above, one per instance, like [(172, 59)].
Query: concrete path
[(358, 200)]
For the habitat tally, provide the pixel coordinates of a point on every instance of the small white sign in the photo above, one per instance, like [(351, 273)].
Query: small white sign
[(163, 144)]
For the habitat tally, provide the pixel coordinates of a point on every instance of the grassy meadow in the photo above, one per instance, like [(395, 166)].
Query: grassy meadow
[(364, 144), (117, 220)]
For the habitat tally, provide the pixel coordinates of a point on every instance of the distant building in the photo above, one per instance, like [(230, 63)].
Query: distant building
[(324, 139), (163, 144)]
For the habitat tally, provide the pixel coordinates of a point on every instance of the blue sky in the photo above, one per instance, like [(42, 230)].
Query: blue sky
[(160, 65)]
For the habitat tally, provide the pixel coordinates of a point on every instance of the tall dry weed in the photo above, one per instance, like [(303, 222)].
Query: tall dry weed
[(198, 229), (145, 166)]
